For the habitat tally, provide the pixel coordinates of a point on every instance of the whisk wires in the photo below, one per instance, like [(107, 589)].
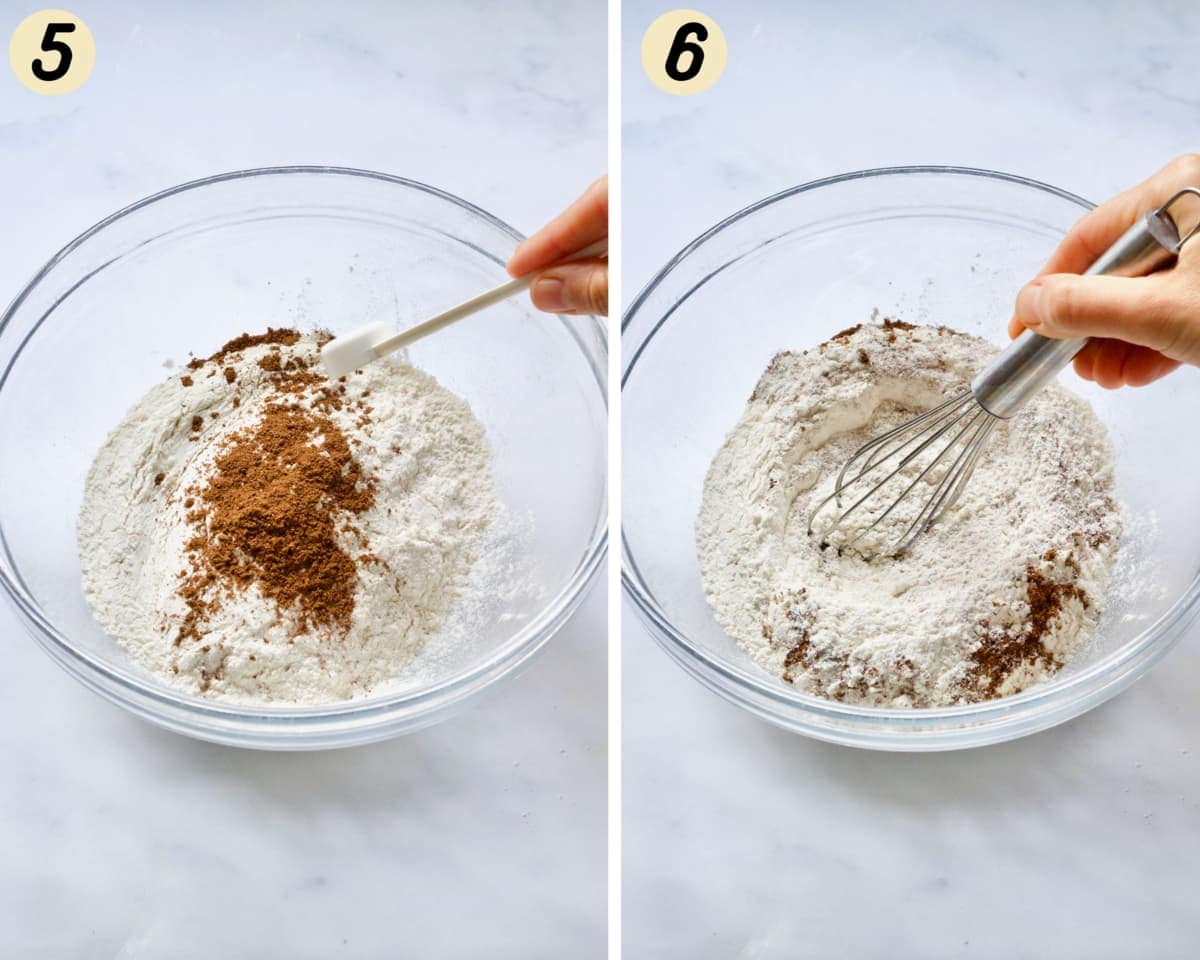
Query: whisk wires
[(884, 461)]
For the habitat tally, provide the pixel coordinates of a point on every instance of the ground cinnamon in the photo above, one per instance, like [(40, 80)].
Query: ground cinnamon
[(269, 514), (283, 335), (279, 491), (1001, 653)]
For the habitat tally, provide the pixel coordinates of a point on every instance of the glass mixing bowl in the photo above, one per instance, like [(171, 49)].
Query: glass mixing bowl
[(190, 268), (928, 245)]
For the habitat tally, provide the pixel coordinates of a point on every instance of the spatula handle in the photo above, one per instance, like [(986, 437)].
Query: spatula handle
[(480, 302)]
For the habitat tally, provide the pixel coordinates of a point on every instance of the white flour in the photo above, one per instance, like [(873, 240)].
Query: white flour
[(997, 596), (417, 443)]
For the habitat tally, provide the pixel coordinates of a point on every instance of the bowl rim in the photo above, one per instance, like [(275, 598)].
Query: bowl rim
[(887, 722), (283, 719)]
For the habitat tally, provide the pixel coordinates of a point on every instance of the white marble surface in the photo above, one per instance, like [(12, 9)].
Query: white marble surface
[(484, 836), (743, 841)]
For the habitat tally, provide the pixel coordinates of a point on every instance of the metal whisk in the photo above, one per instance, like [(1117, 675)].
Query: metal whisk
[(939, 449)]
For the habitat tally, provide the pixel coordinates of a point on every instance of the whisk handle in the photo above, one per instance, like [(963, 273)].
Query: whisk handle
[(1031, 361)]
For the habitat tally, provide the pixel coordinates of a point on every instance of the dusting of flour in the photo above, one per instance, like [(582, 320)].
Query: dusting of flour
[(996, 597), (432, 512)]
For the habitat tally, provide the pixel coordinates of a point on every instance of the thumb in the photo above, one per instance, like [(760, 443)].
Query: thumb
[(1134, 309), (573, 288)]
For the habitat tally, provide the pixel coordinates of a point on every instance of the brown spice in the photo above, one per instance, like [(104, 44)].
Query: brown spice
[(795, 631), (268, 512), (158, 478), (186, 381), (283, 335), (863, 357), (998, 656), (1001, 653), (891, 326), (269, 518), (1046, 599), (798, 655), (197, 423)]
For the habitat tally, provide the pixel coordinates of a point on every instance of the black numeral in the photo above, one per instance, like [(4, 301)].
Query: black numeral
[(50, 45), (681, 45)]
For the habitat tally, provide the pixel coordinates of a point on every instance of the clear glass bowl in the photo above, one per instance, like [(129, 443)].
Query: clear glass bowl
[(188, 269), (928, 245)]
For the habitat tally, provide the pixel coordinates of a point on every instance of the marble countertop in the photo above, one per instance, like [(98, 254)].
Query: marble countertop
[(483, 836), (744, 841)]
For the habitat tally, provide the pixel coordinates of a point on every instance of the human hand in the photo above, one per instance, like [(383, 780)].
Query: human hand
[(1142, 327), (580, 287)]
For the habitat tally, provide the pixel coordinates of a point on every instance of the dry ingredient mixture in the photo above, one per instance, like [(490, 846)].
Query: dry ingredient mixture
[(998, 596), (255, 531)]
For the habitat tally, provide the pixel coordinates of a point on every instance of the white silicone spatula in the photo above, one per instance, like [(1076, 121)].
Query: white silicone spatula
[(354, 350)]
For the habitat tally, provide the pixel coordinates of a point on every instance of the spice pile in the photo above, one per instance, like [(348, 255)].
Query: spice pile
[(256, 531), (1000, 595)]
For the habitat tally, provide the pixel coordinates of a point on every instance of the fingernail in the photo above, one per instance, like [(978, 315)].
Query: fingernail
[(1031, 312), (550, 294)]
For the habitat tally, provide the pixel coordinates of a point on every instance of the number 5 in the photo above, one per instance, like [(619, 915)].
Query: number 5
[(50, 45)]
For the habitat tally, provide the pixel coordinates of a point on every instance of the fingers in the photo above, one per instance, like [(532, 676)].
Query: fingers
[(1141, 328), (573, 288), (1115, 363), (1108, 370), (1140, 310), (1097, 230), (584, 222), (1145, 366)]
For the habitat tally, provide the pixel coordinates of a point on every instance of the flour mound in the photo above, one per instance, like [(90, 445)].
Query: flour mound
[(997, 596), (167, 577)]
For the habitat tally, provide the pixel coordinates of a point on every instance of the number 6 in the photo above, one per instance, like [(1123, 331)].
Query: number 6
[(681, 45)]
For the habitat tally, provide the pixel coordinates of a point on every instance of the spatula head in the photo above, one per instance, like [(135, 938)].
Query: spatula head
[(353, 350)]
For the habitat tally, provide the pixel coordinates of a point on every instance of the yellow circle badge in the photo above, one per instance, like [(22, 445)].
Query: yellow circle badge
[(52, 52), (684, 52)]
